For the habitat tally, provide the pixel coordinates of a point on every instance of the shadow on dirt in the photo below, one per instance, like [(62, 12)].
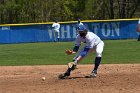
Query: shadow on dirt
[(76, 78)]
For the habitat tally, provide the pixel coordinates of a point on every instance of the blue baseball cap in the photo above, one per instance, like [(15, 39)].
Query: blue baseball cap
[(81, 28)]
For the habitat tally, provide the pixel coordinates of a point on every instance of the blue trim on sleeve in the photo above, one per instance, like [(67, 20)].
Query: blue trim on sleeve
[(76, 48), (83, 53)]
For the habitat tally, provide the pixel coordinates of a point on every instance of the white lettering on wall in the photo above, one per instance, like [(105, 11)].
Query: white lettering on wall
[(50, 33), (96, 26), (105, 29), (115, 28), (74, 32), (65, 31), (5, 28)]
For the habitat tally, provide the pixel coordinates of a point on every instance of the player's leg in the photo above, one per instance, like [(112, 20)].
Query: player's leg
[(53, 34), (73, 65), (58, 36), (98, 49)]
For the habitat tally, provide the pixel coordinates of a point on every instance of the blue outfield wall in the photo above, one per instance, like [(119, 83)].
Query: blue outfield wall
[(41, 32)]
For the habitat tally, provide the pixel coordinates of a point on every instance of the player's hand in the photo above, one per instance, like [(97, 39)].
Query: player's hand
[(69, 52)]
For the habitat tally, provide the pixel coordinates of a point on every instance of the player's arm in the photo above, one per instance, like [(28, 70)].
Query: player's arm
[(88, 47), (84, 52), (70, 52), (76, 47)]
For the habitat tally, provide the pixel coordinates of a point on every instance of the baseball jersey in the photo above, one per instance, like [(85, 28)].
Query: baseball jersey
[(139, 21), (78, 24), (90, 39), (56, 27)]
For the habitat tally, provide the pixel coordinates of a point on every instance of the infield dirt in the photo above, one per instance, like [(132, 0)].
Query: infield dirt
[(111, 78)]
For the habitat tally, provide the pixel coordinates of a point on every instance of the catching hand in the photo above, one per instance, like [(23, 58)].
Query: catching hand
[(68, 52)]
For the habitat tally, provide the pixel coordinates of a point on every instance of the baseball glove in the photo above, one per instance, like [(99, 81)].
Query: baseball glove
[(68, 52)]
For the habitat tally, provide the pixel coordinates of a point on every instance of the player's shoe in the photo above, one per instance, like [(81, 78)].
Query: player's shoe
[(93, 74), (64, 75)]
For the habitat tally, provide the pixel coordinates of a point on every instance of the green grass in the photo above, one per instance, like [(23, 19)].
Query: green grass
[(115, 52)]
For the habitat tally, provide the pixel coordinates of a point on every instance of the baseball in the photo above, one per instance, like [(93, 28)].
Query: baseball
[(43, 78)]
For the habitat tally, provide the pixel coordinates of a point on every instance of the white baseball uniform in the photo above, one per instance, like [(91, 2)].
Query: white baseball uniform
[(56, 27), (92, 42)]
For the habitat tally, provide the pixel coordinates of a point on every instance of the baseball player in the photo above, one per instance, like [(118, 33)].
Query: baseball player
[(138, 29), (55, 29), (79, 23), (92, 43)]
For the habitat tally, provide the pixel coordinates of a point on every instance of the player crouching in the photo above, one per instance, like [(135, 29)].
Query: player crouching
[(92, 43)]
